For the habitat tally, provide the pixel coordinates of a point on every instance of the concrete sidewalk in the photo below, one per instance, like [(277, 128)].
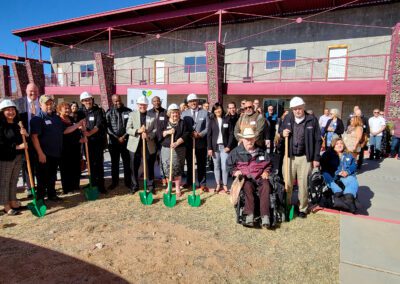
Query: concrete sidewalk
[(370, 247)]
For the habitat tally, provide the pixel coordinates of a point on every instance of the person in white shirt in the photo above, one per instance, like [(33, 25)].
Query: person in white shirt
[(377, 125), (323, 119)]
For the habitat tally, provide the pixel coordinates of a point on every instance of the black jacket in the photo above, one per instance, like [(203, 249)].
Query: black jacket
[(182, 130), (10, 137), (116, 122), (312, 136), (339, 127), (227, 134), (94, 117)]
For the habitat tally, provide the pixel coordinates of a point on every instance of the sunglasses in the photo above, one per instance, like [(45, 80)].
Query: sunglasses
[(376, 111), (249, 107)]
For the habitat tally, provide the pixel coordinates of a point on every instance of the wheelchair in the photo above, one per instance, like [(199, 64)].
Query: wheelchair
[(276, 210)]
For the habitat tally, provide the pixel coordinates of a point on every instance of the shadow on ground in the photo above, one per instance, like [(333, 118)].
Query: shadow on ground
[(23, 262)]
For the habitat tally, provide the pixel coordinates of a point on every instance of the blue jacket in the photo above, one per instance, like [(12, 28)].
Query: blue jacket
[(332, 164)]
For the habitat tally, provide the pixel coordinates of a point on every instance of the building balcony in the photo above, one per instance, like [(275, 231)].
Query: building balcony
[(339, 75)]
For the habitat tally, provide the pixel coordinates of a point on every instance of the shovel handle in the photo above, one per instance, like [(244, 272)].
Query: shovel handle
[(144, 158), (87, 160), (28, 162), (170, 158), (193, 164), (286, 163)]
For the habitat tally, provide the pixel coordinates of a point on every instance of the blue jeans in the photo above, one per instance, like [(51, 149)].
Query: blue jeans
[(219, 159), (350, 182), (395, 145), (375, 141)]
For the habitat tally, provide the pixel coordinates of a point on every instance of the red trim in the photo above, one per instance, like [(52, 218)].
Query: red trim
[(99, 15), (19, 58), (172, 89), (199, 10), (356, 87), (95, 90), (378, 219)]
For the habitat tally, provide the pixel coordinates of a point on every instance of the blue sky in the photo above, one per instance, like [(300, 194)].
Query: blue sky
[(18, 14)]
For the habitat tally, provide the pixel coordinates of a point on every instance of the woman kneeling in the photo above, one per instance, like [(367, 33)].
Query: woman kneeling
[(339, 170)]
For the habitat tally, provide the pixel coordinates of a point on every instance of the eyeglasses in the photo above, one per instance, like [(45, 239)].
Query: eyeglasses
[(249, 107), (376, 111)]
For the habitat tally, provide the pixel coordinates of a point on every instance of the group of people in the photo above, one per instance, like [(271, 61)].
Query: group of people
[(240, 142)]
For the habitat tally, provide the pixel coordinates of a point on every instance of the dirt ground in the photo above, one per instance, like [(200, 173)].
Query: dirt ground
[(117, 239)]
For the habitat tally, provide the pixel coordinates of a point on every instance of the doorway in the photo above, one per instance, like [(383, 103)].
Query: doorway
[(159, 67), (337, 63)]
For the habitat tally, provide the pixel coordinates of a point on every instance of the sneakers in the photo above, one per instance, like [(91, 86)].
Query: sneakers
[(265, 222), (112, 186), (302, 215), (249, 222)]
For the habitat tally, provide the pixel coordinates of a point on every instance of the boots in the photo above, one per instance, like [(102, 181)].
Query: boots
[(338, 202), (371, 152), (377, 155), (349, 200)]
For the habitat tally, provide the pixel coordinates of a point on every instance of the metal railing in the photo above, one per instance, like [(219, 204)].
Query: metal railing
[(74, 79), (368, 67), (365, 67)]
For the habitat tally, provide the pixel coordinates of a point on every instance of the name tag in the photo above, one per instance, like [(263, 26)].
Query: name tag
[(126, 115), (252, 122), (201, 118), (225, 125), (48, 122), (169, 127), (162, 118), (261, 158), (310, 127), (91, 118)]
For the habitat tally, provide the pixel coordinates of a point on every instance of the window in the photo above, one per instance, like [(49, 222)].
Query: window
[(278, 58), (87, 70), (195, 64)]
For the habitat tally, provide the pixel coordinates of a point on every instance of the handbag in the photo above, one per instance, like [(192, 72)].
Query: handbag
[(236, 186)]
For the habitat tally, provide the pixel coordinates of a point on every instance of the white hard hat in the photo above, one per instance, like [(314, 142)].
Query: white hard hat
[(85, 95), (296, 101), (142, 100), (173, 107), (192, 97), (7, 103)]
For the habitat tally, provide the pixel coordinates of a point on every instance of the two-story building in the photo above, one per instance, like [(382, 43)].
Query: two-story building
[(332, 53)]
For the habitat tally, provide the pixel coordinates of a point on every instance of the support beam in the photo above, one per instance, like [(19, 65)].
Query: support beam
[(5, 86), (105, 73), (219, 26), (21, 78), (215, 58), (109, 41)]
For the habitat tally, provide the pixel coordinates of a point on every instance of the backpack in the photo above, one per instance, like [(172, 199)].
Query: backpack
[(318, 190)]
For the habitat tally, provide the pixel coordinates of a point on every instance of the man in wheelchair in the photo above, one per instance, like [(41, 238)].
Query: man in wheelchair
[(253, 164)]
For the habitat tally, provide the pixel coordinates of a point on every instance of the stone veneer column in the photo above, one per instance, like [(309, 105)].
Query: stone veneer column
[(35, 72), (105, 73), (392, 99), (5, 86), (215, 60), (21, 78)]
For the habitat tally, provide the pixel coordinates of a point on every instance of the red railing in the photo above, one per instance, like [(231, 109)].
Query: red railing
[(74, 79), (366, 67)]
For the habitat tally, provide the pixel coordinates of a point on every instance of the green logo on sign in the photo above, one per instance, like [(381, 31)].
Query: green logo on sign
[(147, 93)]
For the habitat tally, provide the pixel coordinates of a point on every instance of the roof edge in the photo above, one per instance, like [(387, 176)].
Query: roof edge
[(97, 15)]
